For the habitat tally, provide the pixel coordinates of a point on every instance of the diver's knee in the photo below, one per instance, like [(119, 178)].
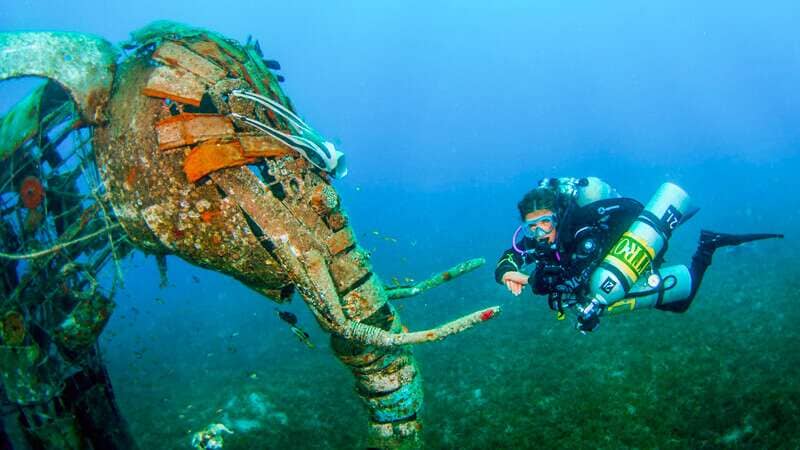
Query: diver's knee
[(675, 307)]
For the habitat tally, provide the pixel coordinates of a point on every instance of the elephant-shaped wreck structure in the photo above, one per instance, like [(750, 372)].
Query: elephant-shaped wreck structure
[(186, 145)]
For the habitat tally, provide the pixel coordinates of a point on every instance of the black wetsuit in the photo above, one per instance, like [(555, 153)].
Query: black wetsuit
[(585, 235)]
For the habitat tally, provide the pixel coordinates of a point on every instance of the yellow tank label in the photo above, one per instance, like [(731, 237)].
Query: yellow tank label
[(626, 302), (634, 254)]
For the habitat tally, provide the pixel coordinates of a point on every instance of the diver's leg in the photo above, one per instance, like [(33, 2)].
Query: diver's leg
[(700, 262), (709, 242)]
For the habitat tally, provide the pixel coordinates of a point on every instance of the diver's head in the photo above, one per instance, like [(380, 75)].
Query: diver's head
[(540, 225), (537, 211)]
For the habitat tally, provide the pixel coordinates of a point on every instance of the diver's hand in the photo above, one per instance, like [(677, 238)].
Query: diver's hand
[(515, 281), (589, 318)]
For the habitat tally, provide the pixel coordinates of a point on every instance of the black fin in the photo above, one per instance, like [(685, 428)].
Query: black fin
[(716, 240)]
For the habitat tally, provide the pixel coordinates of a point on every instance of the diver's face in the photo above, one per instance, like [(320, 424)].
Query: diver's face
[(541, 225)]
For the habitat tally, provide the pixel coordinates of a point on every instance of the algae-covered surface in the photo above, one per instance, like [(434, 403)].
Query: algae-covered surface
[(723, 375)]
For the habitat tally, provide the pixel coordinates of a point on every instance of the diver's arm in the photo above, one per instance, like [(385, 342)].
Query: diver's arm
[(510, 261)]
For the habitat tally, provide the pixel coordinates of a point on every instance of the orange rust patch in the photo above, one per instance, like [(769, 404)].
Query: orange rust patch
[(31, 192), (131, 178), (341, 241), (178, 233), (176, 55), (323, 199), (208, 216), (175, 84), (211, 156), (188, 129), (446, 276), (210, 50), (216, 239), (336, 220), (297, 165), (263, 147)]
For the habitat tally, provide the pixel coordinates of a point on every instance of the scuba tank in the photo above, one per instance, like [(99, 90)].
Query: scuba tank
[(575, 193), (582, 190), (666, 285), (638, 249)]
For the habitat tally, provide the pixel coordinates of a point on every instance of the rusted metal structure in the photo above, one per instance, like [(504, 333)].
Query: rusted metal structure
[(58, 232), (187, 146)]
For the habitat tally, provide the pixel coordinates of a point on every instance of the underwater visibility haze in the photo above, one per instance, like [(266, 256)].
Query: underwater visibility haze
[(447, 113)]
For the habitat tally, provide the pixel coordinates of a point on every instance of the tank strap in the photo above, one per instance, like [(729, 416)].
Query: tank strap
[(650, 219)]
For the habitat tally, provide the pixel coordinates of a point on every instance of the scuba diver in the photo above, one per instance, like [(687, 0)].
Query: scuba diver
[(593, 252)]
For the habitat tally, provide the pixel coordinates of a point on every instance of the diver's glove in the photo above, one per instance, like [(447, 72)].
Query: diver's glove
[(589, 318)]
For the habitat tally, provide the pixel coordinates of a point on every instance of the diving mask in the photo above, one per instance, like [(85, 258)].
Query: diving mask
[(539, 227), (534, 229)]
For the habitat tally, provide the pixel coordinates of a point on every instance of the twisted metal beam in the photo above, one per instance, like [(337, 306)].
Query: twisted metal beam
[(83, 64)]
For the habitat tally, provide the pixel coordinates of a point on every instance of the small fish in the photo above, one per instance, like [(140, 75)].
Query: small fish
[(389, 239), (376, 232), (235, 334), (291, 319), (303, 336), (252, 376), (160, 300), (408, 280), (232, 349), (287, 317), (395, 281), (413, 243), (195, 279)]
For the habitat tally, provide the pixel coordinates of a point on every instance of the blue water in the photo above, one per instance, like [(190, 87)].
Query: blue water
[(448, 112)]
